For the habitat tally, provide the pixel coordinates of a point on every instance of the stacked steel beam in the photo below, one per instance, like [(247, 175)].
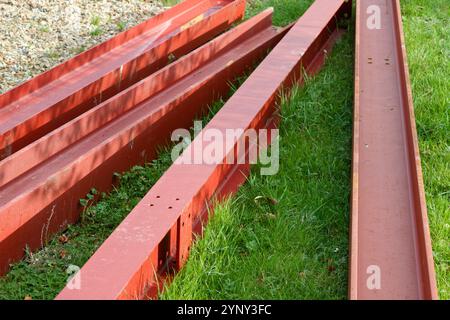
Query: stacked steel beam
[(158, 233), (53, 152), (110, 108), (51, 99)]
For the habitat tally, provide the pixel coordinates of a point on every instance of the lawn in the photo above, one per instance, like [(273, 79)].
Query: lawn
[(297, 248), (426, 25)]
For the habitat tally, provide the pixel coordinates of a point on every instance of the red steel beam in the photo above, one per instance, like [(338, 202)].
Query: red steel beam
[(158, 233), (51, 99), (391, 256), (43, 196), (59, 139)]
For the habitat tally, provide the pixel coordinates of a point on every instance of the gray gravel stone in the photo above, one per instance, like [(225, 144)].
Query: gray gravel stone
[(36, 35)]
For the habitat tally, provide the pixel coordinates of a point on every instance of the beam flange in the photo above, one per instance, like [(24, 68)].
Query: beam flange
[(391, 256)]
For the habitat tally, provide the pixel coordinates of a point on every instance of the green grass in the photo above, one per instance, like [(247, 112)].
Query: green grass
[(285, 11), (298, 247), (121, 26), (96, 31), (95, 21), (96, 28), (426, 26), (169, 3)]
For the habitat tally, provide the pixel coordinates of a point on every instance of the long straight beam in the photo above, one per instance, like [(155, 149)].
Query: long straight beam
[(46, 179), (54, 142), (391, 256), (51, 99), (158, 233)]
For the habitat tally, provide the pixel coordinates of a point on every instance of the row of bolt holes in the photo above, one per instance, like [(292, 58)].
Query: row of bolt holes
[(189, 247), (152, 205), (177, 199), (387, 61)]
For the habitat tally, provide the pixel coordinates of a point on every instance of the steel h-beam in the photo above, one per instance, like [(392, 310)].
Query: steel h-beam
[(42, 183)]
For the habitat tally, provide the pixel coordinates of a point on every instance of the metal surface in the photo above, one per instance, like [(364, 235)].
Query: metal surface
[(46, 179), (156, 236), (391, 255), (49, 100)]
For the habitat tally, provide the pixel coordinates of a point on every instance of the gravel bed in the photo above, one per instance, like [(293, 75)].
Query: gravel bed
[(36, 35)]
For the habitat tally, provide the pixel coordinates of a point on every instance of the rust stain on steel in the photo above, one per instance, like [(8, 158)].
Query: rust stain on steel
[(51, 99), (84, 153), (158, 233), (391, 255)]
